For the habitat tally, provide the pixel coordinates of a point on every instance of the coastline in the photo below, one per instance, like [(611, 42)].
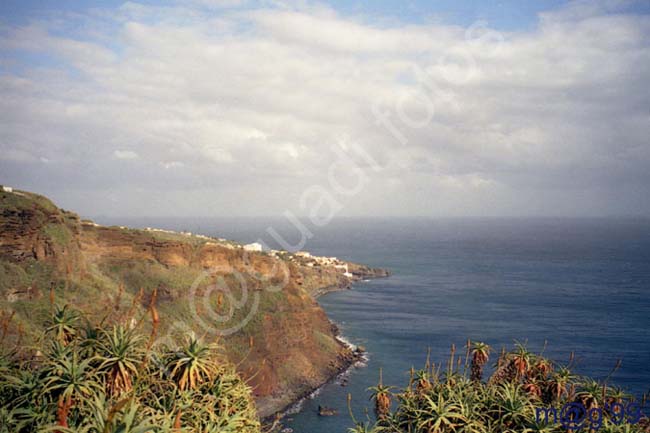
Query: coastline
[(292, 333), (352, 357), (358, 359)]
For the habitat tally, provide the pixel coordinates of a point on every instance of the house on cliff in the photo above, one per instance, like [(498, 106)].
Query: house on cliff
[(345, 269), (256, 247)]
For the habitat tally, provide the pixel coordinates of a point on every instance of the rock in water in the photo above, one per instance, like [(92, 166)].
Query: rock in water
[(326, 411)]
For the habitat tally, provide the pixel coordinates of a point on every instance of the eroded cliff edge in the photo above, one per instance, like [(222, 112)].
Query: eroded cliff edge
[(261, 305)]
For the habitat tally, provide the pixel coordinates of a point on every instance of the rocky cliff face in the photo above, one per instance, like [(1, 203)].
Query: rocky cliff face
[(32, 227), (261, 306)]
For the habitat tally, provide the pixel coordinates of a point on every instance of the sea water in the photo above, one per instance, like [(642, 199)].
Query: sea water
[(558, 285)]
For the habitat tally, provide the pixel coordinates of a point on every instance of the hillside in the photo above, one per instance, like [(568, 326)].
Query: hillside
[(260, 305)]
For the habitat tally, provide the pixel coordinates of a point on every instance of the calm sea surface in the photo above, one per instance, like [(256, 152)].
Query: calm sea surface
[(582, 285)]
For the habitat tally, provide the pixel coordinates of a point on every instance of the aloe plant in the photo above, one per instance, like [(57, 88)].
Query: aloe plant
[(120, 353), (92, 379), (480, 356), (457, 401), (193, 364), (62, 324)]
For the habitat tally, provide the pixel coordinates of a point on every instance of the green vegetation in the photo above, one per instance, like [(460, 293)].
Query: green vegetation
[(11, 276), (20, 200), (516, 398), (149, 275), (109, 377), (47, 253), (59, 234), (171, 237), (326, 342)]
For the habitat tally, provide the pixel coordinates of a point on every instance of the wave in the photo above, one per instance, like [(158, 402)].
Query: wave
[(340, 378)]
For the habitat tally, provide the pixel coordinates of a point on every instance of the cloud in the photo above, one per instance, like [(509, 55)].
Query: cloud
[(239, 102), (216, 3), (125, 154), (172, 164)]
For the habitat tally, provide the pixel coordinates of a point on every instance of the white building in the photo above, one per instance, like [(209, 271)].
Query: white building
[(215, 244), (328, 261), (253, 247), (7, 189), (345, 269)]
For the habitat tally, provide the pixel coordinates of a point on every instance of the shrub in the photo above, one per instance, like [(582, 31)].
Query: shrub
[(523, 386), (100, 378)]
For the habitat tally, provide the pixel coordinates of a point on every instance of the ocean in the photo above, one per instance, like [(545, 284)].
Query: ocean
[(558, 285)]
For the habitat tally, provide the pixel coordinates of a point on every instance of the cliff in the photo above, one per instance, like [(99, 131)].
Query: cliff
[(260, 305)]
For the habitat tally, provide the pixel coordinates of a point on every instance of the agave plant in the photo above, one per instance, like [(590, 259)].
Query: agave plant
[(505, 371), (423, 381), (193, 364), (6, 375), (8, 420), (521, 360), (23, 386), (512, 406), (120, 417), (590, 394), (480, 356), (559, 381), (89, 339), (506, 404), (440, 414), (364, 428), (94, 380), (616, 394), (71, 380), (541, 426), (381, 395), (541, 368), (120, 353), (533, 388), (63, 324)]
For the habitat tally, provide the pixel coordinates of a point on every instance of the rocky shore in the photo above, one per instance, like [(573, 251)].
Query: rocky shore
[(350, 357), (285, 349)]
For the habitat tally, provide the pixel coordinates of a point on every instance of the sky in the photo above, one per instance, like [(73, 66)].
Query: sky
[(324, 109)]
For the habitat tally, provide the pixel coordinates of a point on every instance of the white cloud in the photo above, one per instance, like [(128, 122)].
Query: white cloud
[(172, 164), (125, 154), (216, 3), (252, 100)]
